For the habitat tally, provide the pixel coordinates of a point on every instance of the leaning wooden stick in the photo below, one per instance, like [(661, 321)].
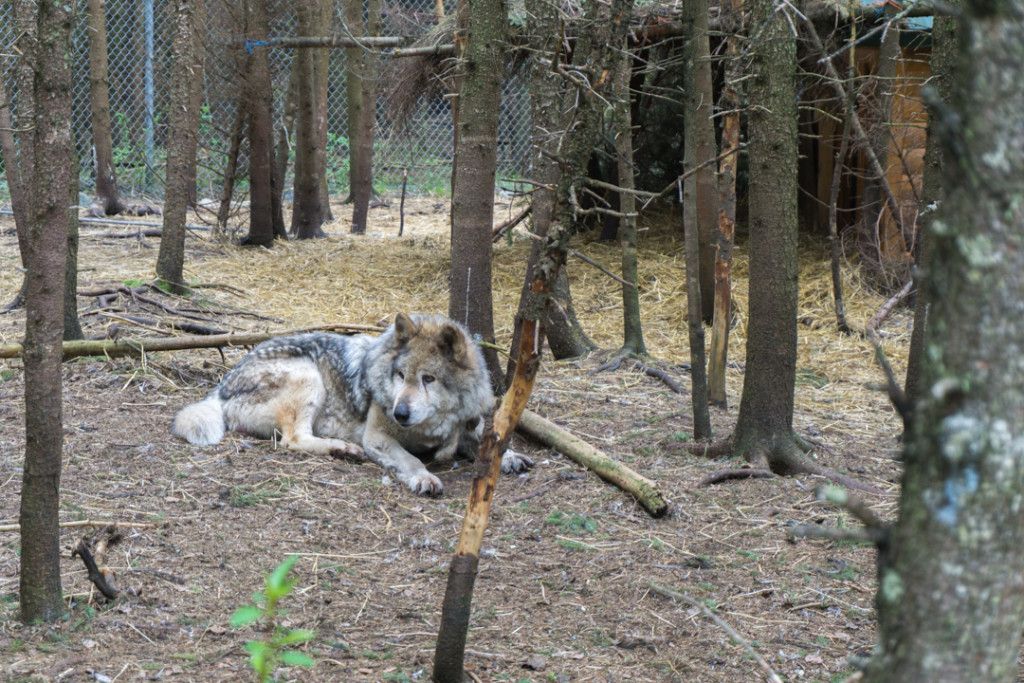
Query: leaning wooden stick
[(449, 654), (579, 451)]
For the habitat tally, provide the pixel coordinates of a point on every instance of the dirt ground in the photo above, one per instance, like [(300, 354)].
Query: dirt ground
[(564, 592)]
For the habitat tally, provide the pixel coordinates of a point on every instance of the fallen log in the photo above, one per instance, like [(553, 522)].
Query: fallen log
[(643, 489), (115, 348)]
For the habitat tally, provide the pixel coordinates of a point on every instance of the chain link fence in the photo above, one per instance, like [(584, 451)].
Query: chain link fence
[(139, 35)]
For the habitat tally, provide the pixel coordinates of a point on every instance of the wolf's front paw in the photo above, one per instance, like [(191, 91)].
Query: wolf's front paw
[(425, 484), (342, 450), (512, 462)]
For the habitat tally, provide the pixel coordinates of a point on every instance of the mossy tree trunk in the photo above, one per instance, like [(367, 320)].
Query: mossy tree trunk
[(764, 427), (182, 133), (46, 253), (951, 589), (481, 69)]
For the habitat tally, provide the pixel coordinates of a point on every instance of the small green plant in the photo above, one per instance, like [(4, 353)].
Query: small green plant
[(265, 655)]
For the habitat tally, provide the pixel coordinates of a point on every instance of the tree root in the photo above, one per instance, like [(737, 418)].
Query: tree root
[(785, 457), (616, 361), (739, 473)]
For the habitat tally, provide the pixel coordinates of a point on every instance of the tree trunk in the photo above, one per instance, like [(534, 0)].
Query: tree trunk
[(632, 336), (72, 325), (46, 253), (99, 107), (700, 100), (307, 211), (950, 602), (15, 179), (362, 184), (942, 64), (692, 226), (259, 94), (880, 116), (354, 91), (281, 155), (482, 67), (718, 361), (322, 67), (183, 123), (764, 427), (231, 167)]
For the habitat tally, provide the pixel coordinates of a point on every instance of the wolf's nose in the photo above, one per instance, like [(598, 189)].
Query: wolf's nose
[(402, 413)]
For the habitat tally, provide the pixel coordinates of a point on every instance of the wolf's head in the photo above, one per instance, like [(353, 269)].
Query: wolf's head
[(435, 368)]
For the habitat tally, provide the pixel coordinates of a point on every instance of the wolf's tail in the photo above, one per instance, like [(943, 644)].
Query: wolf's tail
[(201, 423)]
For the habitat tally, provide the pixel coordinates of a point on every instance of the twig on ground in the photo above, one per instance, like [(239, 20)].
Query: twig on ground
[(664, 590)]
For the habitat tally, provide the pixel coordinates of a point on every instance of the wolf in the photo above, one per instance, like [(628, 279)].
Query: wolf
[(420, 389)]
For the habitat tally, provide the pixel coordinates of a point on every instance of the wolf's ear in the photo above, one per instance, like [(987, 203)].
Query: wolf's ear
[(453, 344), (405, 329)]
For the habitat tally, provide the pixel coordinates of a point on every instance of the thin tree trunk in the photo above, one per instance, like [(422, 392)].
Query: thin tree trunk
[(261, 135), (322, 66), (72, 325), (690, 198), (307, 212), (99, 107), (231, 168), (950, 601), (632, 336), (482, 68), (282, 154), (833, 200), (196, 92), (362, 184), (942, 65), (46, 253), (880, 104), (705, 193), (183, 123), (718, 361), (354, 92), (15, 187)]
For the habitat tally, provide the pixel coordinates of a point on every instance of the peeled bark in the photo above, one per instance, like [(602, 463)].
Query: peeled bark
[(719, 356)]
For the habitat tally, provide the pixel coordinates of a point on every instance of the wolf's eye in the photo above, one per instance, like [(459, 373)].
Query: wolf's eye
[(399, 374), (427, 379)]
